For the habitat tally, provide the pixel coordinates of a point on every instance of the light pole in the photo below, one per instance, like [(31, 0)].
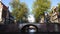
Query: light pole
[(47, 18)]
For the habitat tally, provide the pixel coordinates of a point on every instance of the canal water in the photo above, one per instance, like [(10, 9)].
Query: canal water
[(30, 33)]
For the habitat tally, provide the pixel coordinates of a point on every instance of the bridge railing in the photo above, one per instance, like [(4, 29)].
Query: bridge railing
[(51, 27), (44, 27)]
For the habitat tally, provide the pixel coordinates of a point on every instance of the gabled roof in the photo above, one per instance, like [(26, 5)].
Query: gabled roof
[(4, 7)]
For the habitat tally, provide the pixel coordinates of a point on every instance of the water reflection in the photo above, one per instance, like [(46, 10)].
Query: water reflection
[(32, 30), (29, 33)]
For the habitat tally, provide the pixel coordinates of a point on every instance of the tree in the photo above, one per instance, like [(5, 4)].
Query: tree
[(39, 7), (19, 9), (59, 6)]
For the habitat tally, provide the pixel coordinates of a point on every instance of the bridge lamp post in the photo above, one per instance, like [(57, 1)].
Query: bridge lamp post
[(47, 18)]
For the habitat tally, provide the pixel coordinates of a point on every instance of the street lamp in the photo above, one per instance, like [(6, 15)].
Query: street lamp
[(47, 18)]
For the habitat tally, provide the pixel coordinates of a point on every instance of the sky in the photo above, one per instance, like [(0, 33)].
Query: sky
[(29, 3), (31, 18)]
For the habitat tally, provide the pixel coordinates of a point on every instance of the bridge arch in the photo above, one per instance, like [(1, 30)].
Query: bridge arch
[(26, 27)]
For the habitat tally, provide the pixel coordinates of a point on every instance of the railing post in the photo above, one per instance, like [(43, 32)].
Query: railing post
[(56, 27)]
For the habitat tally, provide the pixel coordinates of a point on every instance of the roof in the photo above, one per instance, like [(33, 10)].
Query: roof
[(4, 7)]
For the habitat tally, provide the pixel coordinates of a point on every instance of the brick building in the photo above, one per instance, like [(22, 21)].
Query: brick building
[(54, 15), (5, 15)]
